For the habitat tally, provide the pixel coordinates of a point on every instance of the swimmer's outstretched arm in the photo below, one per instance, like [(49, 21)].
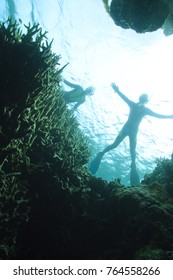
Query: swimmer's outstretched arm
[(116, 89), (75, 86), (156, 115)]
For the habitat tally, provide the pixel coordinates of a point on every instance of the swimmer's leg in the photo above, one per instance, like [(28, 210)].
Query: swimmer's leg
[(133, 142), (94, 165), (134, 177), (66, 96)]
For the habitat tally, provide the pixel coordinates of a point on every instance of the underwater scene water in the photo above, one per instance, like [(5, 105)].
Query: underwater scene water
[(70, 80), (99, 53)]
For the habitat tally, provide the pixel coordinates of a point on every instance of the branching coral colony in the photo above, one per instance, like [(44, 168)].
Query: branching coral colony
[(42, 149)]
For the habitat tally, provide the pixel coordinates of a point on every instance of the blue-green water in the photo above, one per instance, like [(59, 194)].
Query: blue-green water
[(98, 53)]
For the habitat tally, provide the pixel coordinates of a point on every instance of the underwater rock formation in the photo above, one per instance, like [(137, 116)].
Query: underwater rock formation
[(51, 207), (139, 15), (42, 149), (132, 222), (162, 174)]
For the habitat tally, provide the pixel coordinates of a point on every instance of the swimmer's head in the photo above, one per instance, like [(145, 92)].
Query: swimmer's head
[(143, 98), (90, 91)]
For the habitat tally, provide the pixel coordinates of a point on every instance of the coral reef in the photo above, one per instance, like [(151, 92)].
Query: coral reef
[(51, 207), (162, 175), (42, 148), (132, 222)]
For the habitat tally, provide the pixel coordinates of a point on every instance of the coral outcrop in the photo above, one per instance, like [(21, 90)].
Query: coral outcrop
[(42, 150), (139, 15)]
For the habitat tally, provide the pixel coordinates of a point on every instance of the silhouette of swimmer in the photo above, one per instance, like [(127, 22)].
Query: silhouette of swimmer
[(137, 112), (77, 94)]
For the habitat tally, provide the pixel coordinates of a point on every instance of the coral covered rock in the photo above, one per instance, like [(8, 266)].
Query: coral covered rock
[(140, 15), (132, 222), (42, 151)]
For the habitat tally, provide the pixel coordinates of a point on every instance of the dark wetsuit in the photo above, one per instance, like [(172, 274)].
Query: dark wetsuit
[(130, 128), (76, 95)]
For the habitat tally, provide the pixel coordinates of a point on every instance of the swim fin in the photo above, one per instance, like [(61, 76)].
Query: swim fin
[(134, 177), (94, 165)]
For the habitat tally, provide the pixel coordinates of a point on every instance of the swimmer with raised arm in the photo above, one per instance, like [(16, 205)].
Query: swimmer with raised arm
[(77, 94), (137, 112)]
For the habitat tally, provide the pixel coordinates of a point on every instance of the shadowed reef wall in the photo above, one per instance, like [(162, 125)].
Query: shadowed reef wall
[(42, 149)]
